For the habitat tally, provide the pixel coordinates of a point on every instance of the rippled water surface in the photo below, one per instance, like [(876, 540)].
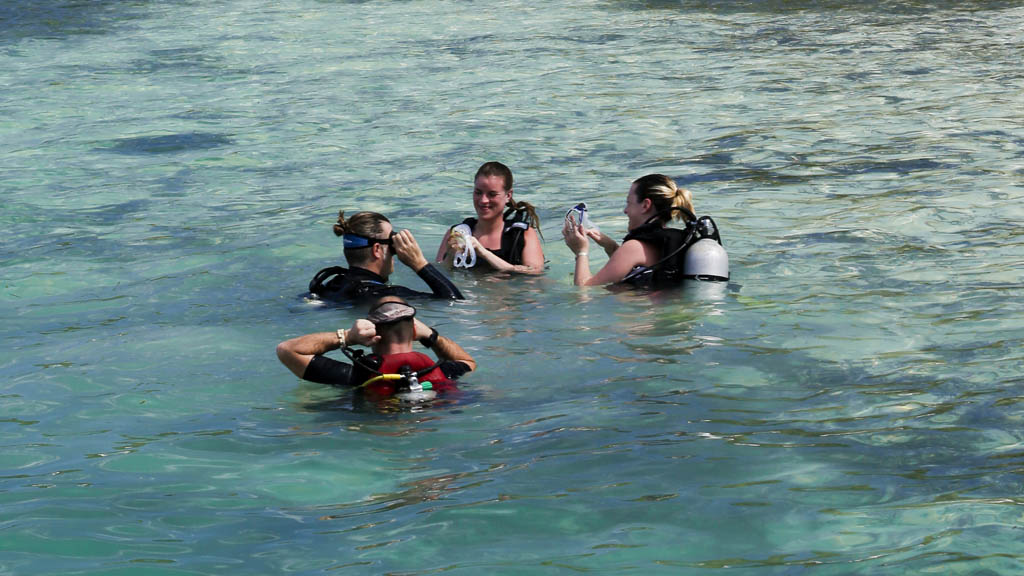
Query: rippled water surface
[(850, 403)]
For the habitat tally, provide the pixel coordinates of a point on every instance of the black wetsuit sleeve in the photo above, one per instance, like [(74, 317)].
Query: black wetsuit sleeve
[(323, 370), (440, 286), (452, 369)]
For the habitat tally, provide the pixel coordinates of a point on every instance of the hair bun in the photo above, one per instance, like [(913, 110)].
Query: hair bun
[(341, 226)]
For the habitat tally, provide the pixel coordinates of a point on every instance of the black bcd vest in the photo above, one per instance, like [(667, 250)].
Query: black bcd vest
[(512, 242), (672, 244)]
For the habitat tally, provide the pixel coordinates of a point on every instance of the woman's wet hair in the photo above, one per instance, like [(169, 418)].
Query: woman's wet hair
[(365, 224), (500, 170), (496, 169), (664, 195)]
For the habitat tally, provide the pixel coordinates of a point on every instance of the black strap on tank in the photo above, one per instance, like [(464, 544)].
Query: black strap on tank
[(691, 229)]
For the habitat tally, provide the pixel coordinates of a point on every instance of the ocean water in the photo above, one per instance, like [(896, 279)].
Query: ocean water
[(849, 403)]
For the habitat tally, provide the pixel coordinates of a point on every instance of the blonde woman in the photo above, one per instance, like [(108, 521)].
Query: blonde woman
[(651, 203)]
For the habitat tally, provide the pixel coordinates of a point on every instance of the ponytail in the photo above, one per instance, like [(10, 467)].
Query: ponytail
[(367, 224), (665, 195), (531, 213), (682, 199), (341, 226)]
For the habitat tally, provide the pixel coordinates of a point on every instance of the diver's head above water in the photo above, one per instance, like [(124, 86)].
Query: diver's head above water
[(371, 245), (492, 194), (393, 319), (368, 241), (492, 190), (656, 196)]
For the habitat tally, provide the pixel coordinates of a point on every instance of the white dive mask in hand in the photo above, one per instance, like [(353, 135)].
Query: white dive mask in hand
[(578, 215), (466, 257)]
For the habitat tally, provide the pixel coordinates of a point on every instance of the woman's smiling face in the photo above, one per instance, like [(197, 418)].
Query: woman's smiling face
[(489, 197)]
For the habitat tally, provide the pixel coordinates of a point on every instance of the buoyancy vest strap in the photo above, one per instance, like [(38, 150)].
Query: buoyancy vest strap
[(317, 283), (365, 362), (428, 369), (516, 215)]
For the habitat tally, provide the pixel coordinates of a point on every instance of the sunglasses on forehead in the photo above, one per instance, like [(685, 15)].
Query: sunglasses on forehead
[(358, 241)]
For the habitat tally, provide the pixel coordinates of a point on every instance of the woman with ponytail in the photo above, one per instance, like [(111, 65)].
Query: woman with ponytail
[(653, 201), (505, 233)]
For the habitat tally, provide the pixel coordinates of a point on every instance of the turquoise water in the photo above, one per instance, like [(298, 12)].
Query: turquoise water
[(849, 404)]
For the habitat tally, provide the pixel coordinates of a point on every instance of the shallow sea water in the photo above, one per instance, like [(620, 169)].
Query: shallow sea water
[(849, 403)]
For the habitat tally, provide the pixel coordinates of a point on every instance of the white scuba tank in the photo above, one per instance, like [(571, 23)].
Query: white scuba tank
[(706, 260)]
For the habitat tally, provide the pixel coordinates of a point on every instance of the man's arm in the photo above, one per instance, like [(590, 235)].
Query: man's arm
[(444, 348), (297, 353), (410, 254), (440, 285)]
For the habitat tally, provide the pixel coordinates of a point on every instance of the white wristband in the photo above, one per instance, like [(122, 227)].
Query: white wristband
[(578, 254), (341, 338)]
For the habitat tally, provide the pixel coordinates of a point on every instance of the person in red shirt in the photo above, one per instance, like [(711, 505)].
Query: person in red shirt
[(389, 330)]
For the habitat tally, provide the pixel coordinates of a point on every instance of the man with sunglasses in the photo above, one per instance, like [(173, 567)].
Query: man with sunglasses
[(389, 329), (370, 245)]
